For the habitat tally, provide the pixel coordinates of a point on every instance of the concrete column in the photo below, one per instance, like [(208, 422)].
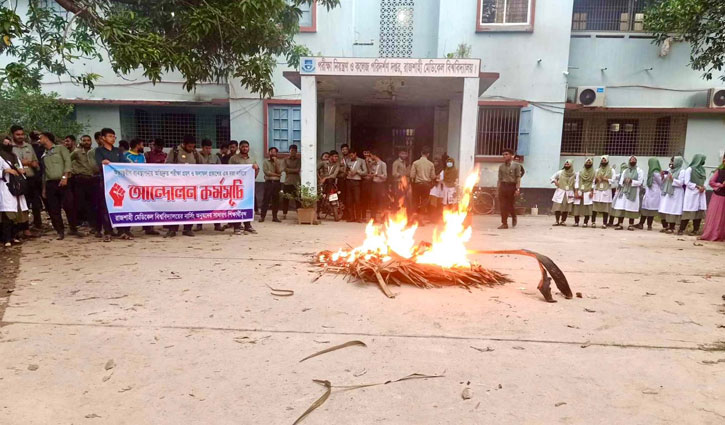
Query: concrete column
[(454, 129), (469, 123), (308, 108), (328, 140)]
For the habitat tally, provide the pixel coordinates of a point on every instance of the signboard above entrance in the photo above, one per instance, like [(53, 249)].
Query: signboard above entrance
[(390, 67)]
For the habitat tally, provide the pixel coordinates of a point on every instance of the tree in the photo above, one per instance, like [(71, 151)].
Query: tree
[(698, 22), (204, 40), (34, 110)]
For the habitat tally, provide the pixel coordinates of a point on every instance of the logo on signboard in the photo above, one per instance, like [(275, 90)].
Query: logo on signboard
[(117, 194), (308, 65)]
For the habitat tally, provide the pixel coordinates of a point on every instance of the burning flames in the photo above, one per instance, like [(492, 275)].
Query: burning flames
[(396, 237)]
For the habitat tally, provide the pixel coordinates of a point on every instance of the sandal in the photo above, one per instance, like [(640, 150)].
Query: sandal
[(630, 228), (618, 227), (8, 245), (125, 237), (238, 232), (106, 238)]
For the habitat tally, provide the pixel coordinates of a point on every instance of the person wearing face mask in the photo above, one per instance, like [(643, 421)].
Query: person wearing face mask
[(584, 193), (564, 180), (448, 179), (652, 195), (673, 194), (695, 202), (626, 204), (13, 209), (603, 180)]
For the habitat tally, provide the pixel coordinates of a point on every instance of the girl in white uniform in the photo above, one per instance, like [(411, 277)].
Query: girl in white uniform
[(652, 195), (564, 193), (603, 181), (673, 194), (13, 209), (695, 201), (584, 193), (626, 203)]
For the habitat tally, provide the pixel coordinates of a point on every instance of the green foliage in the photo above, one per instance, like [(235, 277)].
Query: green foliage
[(463, 51), (305, 194), (701, 23), (34, 110), (204, 40)]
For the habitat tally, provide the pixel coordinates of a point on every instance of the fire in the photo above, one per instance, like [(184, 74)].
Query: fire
[(396, 237)]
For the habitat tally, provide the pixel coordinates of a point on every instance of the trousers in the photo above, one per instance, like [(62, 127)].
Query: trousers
[(60, 197), (271, 197), (83, 194), (506, 199)]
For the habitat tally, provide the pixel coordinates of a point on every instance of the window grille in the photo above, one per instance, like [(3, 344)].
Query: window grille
[(609, 15), (396, 28), (505, 11), (589, 133), (171, 124), (498, 129), (284, 124)]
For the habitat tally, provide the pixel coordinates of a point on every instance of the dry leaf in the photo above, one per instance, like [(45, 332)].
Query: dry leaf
[(281, 292), (337, 347), (110, 365), (466, 394), (319, 402)]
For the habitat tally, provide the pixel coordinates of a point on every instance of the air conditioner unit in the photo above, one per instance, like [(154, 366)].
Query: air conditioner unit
[(716, 98), (591, 96)]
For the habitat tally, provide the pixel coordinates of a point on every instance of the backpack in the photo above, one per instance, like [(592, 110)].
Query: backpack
[(17, 185)]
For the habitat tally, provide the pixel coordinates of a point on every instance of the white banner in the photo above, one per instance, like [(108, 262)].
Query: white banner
[(167, 194), (391, 67)]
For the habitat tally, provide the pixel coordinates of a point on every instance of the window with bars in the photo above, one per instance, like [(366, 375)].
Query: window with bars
[(609, 15), (503, 12), (396, 28), (284, 125), (498, 129), (623, 134), (171, 124)]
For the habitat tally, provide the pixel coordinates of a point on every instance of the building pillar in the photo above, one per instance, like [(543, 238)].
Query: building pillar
[(469, 124), (308, 141), (328, 139), (454, 130)]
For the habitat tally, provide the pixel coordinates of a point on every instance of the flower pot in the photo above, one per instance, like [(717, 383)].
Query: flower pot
[(520, 210), (306, 215)]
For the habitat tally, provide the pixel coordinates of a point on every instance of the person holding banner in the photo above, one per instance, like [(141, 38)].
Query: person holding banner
[(135, 155), (243, 158), (208, 158), (272, 168), (183, 154), (104, 155)]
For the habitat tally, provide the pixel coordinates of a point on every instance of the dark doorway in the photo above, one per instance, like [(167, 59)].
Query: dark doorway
[(385, 129)]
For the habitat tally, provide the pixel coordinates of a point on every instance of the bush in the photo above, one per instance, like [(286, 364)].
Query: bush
[(34, 110)]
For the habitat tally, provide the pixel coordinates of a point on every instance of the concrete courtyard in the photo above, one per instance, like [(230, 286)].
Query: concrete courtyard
[(186, 331)]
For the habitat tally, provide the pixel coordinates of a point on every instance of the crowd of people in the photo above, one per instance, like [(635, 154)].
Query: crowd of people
[(675, 195)]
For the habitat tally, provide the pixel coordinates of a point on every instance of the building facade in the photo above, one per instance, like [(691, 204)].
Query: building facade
[(552, 80)]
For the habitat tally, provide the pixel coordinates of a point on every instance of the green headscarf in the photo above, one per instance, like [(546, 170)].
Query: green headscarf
[(667, 188), (722, 164), (604, 173), (566, 177), (586, 177), (632, 174), (698, 173), (654, 167)]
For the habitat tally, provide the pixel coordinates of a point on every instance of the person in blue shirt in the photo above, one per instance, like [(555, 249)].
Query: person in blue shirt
[(136, 155), (107, 154)]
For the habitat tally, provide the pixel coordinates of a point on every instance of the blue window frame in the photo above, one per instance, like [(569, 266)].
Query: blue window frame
[(284, 126)]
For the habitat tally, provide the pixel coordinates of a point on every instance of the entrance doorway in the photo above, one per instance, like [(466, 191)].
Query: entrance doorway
[(386, 129)]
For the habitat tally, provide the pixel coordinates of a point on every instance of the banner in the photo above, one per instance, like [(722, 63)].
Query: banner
[(166, 194)]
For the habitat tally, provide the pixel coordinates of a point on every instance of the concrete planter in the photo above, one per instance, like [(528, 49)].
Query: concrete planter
[(306, 215)]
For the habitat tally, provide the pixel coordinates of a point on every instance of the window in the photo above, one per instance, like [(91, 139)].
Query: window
[(173, 123), (608, 15), (611, 133), (396, 28), (284, 126), (505, 15), (498, 129), (308, 19)]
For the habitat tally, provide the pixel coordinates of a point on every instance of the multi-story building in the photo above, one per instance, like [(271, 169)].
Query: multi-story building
[(550, 79)]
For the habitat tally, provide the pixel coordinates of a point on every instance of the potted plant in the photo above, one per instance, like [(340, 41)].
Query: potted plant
[(307, 196), (520, 205)]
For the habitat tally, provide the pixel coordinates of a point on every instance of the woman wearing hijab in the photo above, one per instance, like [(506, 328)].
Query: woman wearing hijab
[(564, 180), (603, 181), (695, 202), (715, 219), (13, 209), (616, 189), (652, 194), (673, 194), (584, 193), (626, 204)]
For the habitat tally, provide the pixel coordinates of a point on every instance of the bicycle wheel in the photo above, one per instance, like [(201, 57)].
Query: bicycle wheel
[(483, 203)]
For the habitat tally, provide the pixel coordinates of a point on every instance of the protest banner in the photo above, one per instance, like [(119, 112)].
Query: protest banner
[(168, 194)]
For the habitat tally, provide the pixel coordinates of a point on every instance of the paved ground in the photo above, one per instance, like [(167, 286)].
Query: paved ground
[(196, 338)]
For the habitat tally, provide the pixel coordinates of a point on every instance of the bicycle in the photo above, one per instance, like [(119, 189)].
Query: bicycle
[(483, 200)]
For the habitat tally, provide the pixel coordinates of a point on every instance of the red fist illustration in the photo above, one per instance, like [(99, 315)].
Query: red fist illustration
[(117, 194)]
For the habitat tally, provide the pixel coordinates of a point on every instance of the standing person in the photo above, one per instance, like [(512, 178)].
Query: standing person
[(603, 180), (70, 143), (327, 175), (325, 156), (185, 153), (378, 194), (356, 168), (207, 157), (584, 193), (243, 158), (616, 189), (366, 186), (83, 182), (422, 175), (13, 209), (291, 167), (31, 166), (564, 180), (272, 168), (233, 146), (695, 202), (136, 155), (124, 146), (652, 195), (626, 203), (715, 219), (509, 184), (446, 188), (673, 194), (518, 159), (342, 180), (57, 166), (156, 155), (401, 179), (106, 154), (223, 153)]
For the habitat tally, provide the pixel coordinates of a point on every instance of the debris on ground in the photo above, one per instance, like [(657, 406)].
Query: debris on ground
[(33, 367), (336, 347), (110, 365), (466, 394)]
